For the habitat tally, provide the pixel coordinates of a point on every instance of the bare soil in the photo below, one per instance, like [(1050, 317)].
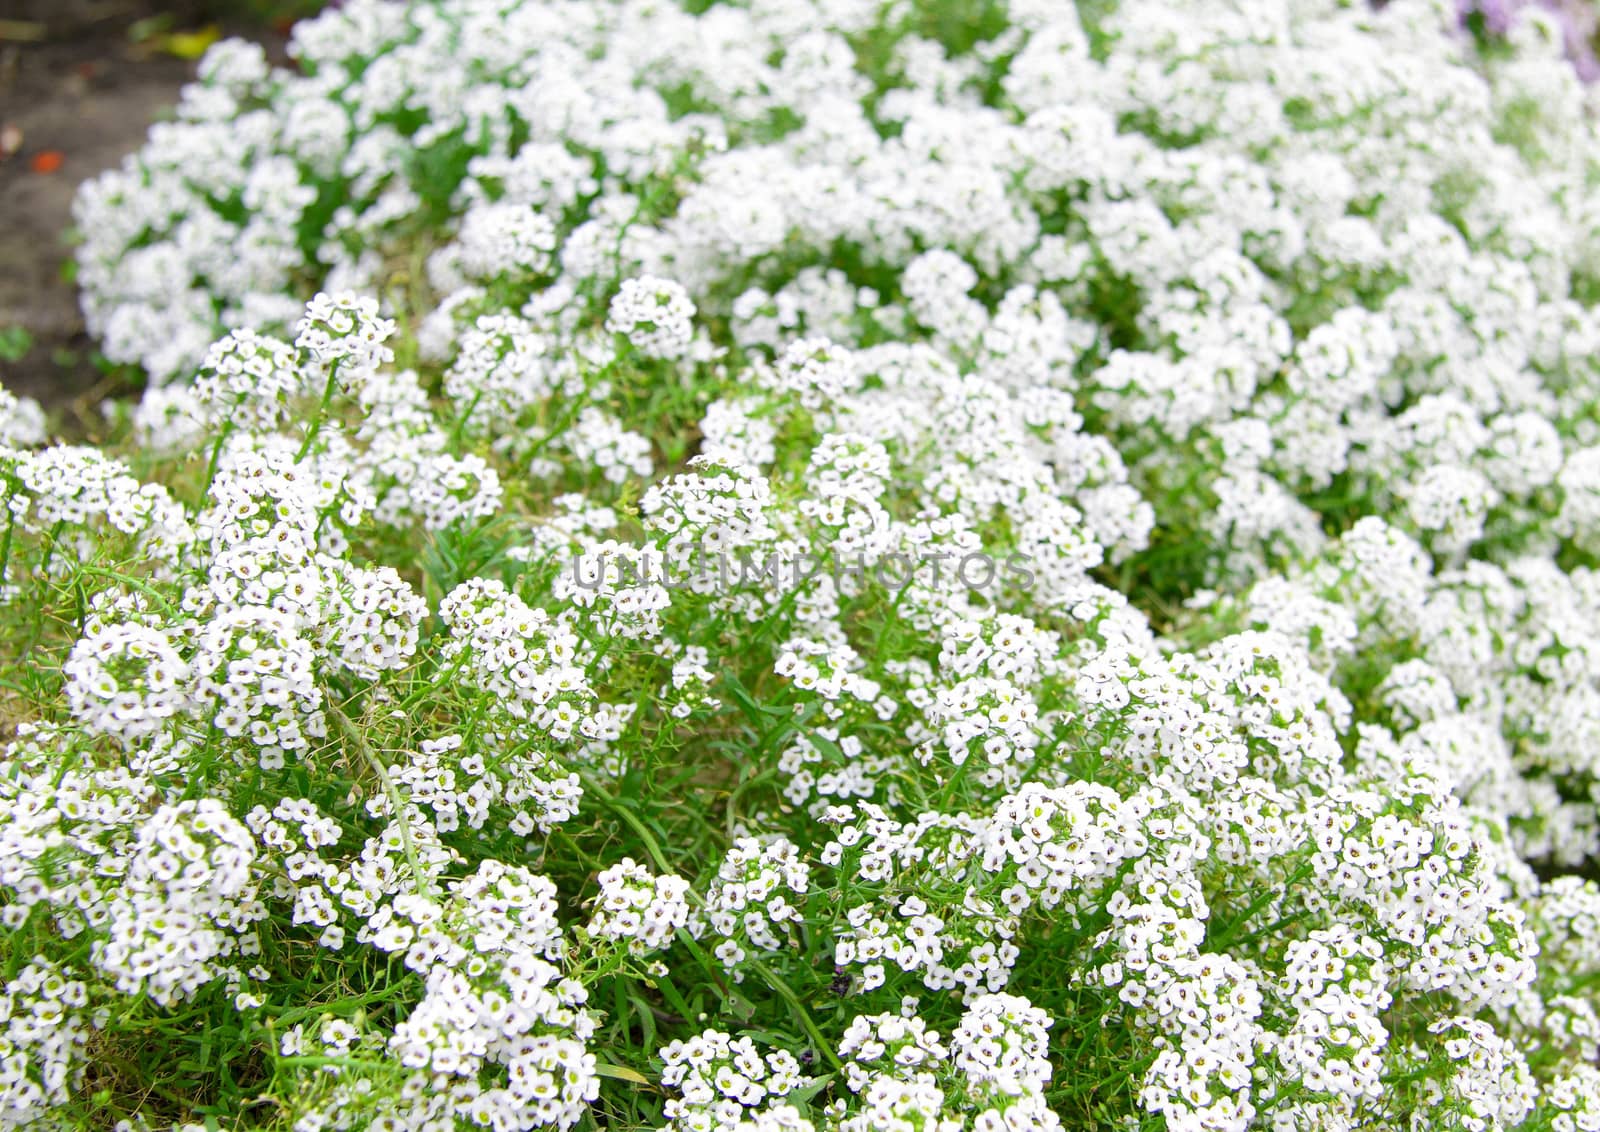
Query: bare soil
[(82, 94)]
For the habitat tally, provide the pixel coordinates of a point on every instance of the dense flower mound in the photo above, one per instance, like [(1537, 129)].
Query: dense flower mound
[(836, 566)]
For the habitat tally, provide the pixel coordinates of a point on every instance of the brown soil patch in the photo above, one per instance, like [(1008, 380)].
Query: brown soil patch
[(82, 94)]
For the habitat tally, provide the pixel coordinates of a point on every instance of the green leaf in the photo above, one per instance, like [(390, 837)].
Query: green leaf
[(190, 44), (15, 342), (622, 1073)]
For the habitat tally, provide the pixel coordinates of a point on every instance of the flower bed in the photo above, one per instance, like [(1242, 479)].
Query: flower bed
[(837, 566)]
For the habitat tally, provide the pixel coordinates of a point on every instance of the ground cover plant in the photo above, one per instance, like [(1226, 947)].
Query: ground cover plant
[(838, 566)]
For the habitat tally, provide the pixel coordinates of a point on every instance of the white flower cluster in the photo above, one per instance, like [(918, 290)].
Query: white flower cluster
[(1490, 1085), (654, 315), (187, 892), (1086, 512), (638, 907), (44, 1043), (125, 680), (527, 1019), (81, 496), (720, 1079), (967, 944), (22, 423), (531, 667), (750, 906), (249, 380), (990, 1075), (494, 999)]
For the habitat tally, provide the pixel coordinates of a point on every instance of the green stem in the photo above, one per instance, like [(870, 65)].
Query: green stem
[(322, 411), (568, 414), (343, 1062), (1229, 937), (461, 422), (359, 742), (132, 583), (5, 545), (216, 455), (50, 547), (802, 1015), (947, 794), (592, 785), (1270, 929)]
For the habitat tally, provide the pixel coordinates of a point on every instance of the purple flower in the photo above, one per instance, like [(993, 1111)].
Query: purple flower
[(1497, 14), (1575, 18)]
